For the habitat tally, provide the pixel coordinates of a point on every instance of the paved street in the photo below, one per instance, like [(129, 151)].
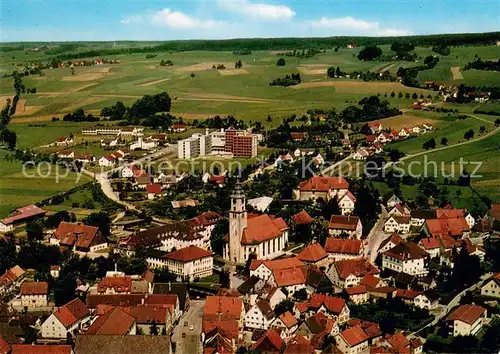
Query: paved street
[(375, 237), (192, 343)]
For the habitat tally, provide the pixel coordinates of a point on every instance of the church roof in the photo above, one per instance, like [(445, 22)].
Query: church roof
[(262, 228), (237, 191)]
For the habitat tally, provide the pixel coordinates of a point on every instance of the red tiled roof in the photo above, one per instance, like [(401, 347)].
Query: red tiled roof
[(344, 246), (277, 264), (358, 267), (113, 322), (154, 188), (149, 313), (371, 138), (370, 281), (451, 226), (407, 294), (34, 288), (407, 251), (69, 234), (227, 323), (466, 313), (288, 319), (271, 341), (430, 243), (323, 184), (23, 213), (11, 275), (302, 218), (72, 312), (394, 238), (94, 300), (448, 241), (356, 290), (4, 346), (332, 303), (302, 306), (262, 228), (398, 341), (312, 253), (342, 222), (41, 349), (299, 345), (349, 195), (354, 336), (289, 276), (447, 213), (179, 126), (215, 305), (188, 254), (119, 284), (297, 135)]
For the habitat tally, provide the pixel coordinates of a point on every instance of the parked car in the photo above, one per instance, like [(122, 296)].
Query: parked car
[(191, 327), (185, 323), (183, 335)]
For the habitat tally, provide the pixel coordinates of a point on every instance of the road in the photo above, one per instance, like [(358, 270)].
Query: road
[(454, 302), (192, 342), (103, 180), (375, 237), (331, 169)]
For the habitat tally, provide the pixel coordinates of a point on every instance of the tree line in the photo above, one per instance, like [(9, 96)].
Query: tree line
[(287, 80), (479, 64)]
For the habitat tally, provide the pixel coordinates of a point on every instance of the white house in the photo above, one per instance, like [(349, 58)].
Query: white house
[(188, 263), (404, 132), (66, 154), (353, 341), (466, 320), (287, 324), (338, 248), (349, 272), (358, 294), (391, 203), (349, 225), (66, 319), (34, 294), (142, 144), (390, 242), (108, 160), (400, 210), (428, 300), (64, 141), (399, 224), (346, 203), (361, 154), (491, 287), (259, 316), (407, 258)]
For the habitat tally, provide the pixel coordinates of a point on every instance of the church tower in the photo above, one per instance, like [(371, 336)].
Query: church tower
[(237, 223)]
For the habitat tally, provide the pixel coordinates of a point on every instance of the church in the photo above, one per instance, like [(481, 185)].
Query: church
[(261, 234)]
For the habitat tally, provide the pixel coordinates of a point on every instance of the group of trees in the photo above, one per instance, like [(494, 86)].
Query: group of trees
[(281, 62), (7, 136), (404, 51), (238, 64), (80, 116), (370, 53), (409, 75), (441, 48), (372, 109), (304, 53), (334, 72), (116, 112), (287, 80), (479, 64)]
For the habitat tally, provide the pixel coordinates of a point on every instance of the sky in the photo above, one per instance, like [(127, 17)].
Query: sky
[(108, 20)]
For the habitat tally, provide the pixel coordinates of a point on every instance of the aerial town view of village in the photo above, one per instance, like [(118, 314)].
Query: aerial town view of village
[(249, 176)]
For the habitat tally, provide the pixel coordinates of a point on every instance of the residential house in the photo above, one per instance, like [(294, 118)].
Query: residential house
[(154, 191), (466, 320), (393, 200), (454, 227), (353, 341), (349, 272), (404, 132), (399, 224), (346, 203), (361, 154), (419, 216), (11, 279), (428, 300), (491, 287), (34, 294), (287, 324), (358, 294), (108, 160), (66, 320), (270, 343), (188, 263), (384, 137), (260, 203), (66, 154), (314, 254), (178, 128), (370, 282), (40, 349), (302, 218), (64, 141), (222, 305), (400, 210), (85, 158), (321, 187), (345, 225), (317, 328), (113, 322), (338, 248), (332, 306), (54, 271), (79, 237), (431, 245), (375, 127), (115, 285), (390, 242), (297, 136), (371, 139), (407, 258), (259, 316)]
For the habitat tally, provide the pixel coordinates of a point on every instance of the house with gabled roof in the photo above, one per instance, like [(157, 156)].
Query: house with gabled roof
[(64, 141), (11, 278), (313, 254), (454, 227), (349, 272), (392, 201), (431, 245), (358, 294), (331, 306), (321, 187), (114, 321), (79, 237), (400, 210), (299, 345), (67, 319), (361, 154), (371, 281), (338, 248), (406, 257), (399, 224), (346, 203), (20, 216), (352, 341), (302, 218), (491, 287), (345, 224), (466, 320), (34, 294), (222, 305), (390, 242), (271, 342), (259, 316), (287, 324), (316, 327)]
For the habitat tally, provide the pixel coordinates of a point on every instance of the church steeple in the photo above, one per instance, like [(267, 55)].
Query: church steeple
[(238, 198), (237, 223)]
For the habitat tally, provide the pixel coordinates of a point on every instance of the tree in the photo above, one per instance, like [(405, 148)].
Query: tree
[(217, 239), (393, 94), (330, 72), (284, 306), (400, 95), (224, 279), (469, 134), (101, 220), (300, 295), (153, 329), (497, 122), (370, 53), (429, 144), (414, 96), (8, 258), (444, 141), (281, 62), (246, 270), (338, 73), (34, 229), (482, 129), (192, 75), (238, 64)]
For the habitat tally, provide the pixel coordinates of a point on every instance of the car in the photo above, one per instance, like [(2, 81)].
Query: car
[(183, 335), (191, 327), (185, 323)]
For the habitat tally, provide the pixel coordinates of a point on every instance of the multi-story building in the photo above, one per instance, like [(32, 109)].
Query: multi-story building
[(466, 320), (407, 258), (241, 143), (188, 263), (34, 294), (66, 319)]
